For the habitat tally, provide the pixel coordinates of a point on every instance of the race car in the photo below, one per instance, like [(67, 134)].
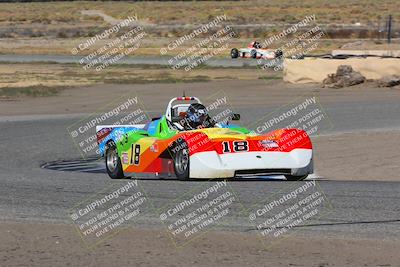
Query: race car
[(255, 50), (187, 143)]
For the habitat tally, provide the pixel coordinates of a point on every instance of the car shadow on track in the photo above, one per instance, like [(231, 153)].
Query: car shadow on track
[(94, 164)]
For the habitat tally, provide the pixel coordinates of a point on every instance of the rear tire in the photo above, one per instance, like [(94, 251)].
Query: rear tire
[(296, 178), (113, 162), (278, 53), (181, 160), (234, 53)]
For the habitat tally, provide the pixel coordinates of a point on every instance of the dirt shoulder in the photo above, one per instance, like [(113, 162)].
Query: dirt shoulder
[(242, 93), (28, 244), (364, 156), (36, 79)]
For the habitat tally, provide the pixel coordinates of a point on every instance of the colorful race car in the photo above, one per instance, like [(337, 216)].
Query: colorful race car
[(255, 50), (186, 142)]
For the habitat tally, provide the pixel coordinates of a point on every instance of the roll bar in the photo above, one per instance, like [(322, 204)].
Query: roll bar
[(183, 98)]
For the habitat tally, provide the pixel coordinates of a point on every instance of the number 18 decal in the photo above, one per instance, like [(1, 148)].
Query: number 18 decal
[(237, 146)]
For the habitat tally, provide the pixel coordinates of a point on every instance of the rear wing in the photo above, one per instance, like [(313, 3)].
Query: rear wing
[(106, 133)]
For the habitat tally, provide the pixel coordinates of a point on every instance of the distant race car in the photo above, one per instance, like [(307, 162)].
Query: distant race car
[(187, 143), (255, 50)]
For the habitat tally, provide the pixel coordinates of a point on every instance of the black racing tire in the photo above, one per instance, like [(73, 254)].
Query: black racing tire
[(113, 162), (253, 53), (181, 158), (296, 178), (234, 53), (278, 53)]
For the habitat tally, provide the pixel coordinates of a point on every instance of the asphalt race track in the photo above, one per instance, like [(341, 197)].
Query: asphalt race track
[(137, 60), (359, 209)]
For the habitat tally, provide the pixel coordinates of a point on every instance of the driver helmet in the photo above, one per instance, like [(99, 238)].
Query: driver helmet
[(196, 115), (256, 44)]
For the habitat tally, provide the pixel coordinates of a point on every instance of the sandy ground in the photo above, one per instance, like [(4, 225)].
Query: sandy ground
[(28, 244), (372, 156), (154, 96), (71, 75)]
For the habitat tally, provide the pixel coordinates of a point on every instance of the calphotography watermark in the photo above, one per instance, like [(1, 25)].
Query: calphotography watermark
[(291, 30), (305, 113), (198, 211), (125, 111), (295, 42), (288, 210), (120, 43), (288, 130), (103, 215), (103, 35), (212, 39), (205, 28)]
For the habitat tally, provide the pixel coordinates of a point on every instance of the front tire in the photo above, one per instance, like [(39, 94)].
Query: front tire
[(296, 178), (181, 160), (113, 162), (234, 53)]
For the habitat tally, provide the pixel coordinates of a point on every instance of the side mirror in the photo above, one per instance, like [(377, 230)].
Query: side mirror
[(235, 116)]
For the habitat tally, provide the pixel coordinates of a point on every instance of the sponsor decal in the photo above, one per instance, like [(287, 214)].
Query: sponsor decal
[(103, 133), (124, 157), (269, 143), (154, 147)]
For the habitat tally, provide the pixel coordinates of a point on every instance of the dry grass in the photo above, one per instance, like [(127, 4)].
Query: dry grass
[(63, 46), (56, 27), (238, 12), (46, 79), (30, 91)]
